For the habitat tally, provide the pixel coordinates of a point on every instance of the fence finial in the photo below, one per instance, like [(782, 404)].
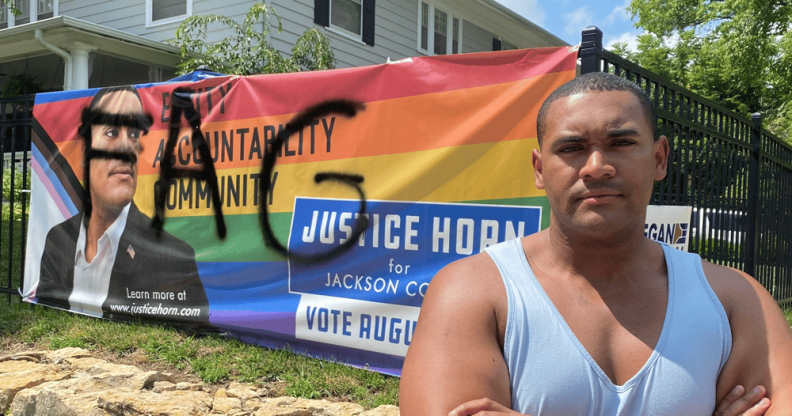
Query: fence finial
[(590, 50)]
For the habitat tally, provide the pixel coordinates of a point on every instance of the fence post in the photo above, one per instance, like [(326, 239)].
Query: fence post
[(752, 236), (590, 50)]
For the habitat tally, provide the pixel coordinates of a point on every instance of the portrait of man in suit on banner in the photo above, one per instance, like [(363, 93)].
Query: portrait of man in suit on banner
[(107, 260)]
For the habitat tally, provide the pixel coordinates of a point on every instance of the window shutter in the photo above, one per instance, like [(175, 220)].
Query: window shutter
[(368, 22), (322, 12), (496, 44)]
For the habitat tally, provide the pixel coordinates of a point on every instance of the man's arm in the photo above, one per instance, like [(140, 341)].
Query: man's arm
[(455, 355), (738, 402), (761, 338)]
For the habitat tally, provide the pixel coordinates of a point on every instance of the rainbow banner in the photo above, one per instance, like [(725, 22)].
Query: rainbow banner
[(440, 150)]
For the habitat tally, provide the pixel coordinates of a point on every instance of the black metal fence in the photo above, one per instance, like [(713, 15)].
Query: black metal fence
[(735, 175), (16, 116)]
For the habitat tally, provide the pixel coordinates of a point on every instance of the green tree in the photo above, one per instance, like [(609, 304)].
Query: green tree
[(736, 52), (246, 51), (19, 186), (22, 84)]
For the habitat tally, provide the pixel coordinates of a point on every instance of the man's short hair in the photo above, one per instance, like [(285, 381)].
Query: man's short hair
[(597, 81)]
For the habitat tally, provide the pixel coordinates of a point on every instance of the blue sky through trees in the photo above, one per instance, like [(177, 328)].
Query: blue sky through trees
[(567, 18)]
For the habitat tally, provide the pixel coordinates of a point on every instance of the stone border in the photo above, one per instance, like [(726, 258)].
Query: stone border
[(71, 382)]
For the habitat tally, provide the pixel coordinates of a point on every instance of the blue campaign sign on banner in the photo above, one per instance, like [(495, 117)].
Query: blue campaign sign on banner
[(406, 244)]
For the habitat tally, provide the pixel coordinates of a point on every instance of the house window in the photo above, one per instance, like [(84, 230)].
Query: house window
[(351, 18), (167, 11), (455, 31), (45, 9), (39, 9), (24, 16), (502, 45), (439, 30), (424, 35), (347, 15)]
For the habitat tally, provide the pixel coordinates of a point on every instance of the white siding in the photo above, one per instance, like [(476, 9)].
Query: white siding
[(476, 39), (115, 14), (235, 9), (395, 32), (396, 25), (397, 28), (130, 15)]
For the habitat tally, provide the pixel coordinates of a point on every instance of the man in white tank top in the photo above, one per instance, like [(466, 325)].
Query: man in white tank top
[(589, 316)]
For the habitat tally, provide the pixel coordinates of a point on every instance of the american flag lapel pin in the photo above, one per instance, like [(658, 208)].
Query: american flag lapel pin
[(131, 252)]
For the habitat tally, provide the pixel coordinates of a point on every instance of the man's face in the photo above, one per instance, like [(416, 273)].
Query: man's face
[(113, 181), (598, 162)]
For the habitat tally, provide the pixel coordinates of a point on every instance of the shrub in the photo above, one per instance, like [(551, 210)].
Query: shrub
[(19, 186)]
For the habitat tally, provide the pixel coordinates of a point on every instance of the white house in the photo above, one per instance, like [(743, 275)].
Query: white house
[(77, 44)]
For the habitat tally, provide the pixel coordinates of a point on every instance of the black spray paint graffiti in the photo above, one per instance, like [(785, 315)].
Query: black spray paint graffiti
[(347, 108), (182, 105)]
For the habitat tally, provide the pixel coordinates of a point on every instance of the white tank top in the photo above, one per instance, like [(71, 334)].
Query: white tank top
[(552, 374)]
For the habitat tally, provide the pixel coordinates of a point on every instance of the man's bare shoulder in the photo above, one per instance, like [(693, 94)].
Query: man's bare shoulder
[(469, 270), (732, 286), (455, 355), (468, 282), (478, 270)]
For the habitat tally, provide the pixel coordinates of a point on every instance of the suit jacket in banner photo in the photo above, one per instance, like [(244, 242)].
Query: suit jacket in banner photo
[(153, 277)]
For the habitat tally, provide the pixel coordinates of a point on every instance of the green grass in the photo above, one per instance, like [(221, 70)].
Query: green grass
[(788, 314), (214, 359)]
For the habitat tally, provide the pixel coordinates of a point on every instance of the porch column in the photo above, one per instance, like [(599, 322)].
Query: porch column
[(81, 72)]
